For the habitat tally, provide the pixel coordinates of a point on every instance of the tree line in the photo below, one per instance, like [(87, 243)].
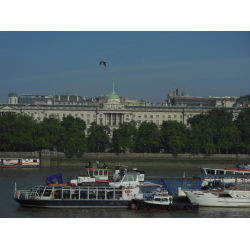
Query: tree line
[(213, 132)]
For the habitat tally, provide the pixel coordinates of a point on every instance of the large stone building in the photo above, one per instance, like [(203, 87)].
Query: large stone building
[(109, 110)]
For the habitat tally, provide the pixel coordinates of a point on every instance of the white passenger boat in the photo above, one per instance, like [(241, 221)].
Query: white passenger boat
[(236, 196), (84, 192)]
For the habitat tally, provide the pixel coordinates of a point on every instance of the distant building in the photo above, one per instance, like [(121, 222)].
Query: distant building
[(184, 99), (112, 110)]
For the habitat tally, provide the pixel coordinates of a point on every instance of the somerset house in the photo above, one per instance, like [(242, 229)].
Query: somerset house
[(113, 109)]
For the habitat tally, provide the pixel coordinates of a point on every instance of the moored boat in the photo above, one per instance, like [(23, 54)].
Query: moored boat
[(163, 201), (237, 195), (84, 192)]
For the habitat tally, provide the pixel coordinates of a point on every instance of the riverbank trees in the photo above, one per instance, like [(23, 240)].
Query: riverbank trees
[(214, 132)]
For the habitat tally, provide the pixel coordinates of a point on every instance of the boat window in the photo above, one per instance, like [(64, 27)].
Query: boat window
[(75, 194), (84, 194), (239, 173), (246, 173), (100, 172), (229, 172), (157, 199), (96, 172), (66, 194), (110, 195), (164, 199), (119, 178), (242, 188), (105, 172), (247, 187), (47, 193), (224, 195), (212, 171), (92, 194), (208, 171), (170, 199), (40, 191), (91, 172), (118, 195), (101, 194), (130, 177), (58, 193), (220, 172)]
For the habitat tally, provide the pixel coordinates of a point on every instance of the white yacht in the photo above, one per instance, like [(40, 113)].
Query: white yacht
[(236, 196)]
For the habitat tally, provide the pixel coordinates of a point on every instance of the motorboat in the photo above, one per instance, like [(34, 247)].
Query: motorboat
[(163, 201), (237, 195)]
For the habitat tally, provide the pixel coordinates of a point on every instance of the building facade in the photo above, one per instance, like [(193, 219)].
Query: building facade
[(110, 110)]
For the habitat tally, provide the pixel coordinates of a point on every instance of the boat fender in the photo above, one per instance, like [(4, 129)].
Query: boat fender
[(127, 191)]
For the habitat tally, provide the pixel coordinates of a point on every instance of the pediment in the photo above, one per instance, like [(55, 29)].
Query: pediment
[(7, 108)]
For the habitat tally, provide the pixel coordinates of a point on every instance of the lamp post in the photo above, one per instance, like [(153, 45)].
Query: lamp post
[(98, 146)]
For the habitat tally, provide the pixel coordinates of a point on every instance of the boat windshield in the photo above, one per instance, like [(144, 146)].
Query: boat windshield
[(119, 179)]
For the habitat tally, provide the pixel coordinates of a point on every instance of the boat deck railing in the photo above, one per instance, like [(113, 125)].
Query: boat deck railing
[(26, 194)]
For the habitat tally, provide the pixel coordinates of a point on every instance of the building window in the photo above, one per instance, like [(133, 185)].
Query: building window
[(157, 116), (127, 115), (100, 115), (76, 115), (151, 116), (94, 115), (32, 114), (57, 114), (88, 121), (163, 116), (139, 116), (175, 116), (157, 122), (88, 115), (151, 121), (169, 116), (180, 116), (45, 114), (64, 115), (145, 116), (145, 120), (82, 115), (133, 116), (101, 121), (139, 122)]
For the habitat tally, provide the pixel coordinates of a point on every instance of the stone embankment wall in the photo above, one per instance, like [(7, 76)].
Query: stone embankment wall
[(53, 159)]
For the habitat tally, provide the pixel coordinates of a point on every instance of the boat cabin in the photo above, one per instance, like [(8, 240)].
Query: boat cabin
[(224, 171), (100, 174), (164, 200)]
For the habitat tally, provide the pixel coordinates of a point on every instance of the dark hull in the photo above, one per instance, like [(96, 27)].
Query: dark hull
[(74, 203), (140, 204)]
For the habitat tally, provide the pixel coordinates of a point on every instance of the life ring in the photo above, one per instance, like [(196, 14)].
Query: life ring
[(127, 191)]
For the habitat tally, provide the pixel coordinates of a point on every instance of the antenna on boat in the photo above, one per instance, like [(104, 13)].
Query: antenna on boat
[(15, 186)]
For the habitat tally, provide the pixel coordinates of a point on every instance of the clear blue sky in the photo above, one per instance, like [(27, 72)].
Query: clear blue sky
[(145, 65)]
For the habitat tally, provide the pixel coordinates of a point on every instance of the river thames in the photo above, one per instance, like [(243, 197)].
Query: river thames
[(26, 178)]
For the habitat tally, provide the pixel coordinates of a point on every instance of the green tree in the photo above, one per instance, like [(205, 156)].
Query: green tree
[(49, 133), (98, 138), (124, 137), (229, 137), (148, 138), (17, 132), (243, 124), (173, 136), (73, 140)]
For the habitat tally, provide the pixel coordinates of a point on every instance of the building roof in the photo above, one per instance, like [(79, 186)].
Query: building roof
[(113, 96)]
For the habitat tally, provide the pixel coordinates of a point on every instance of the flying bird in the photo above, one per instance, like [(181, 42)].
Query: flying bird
[(104, 63)]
